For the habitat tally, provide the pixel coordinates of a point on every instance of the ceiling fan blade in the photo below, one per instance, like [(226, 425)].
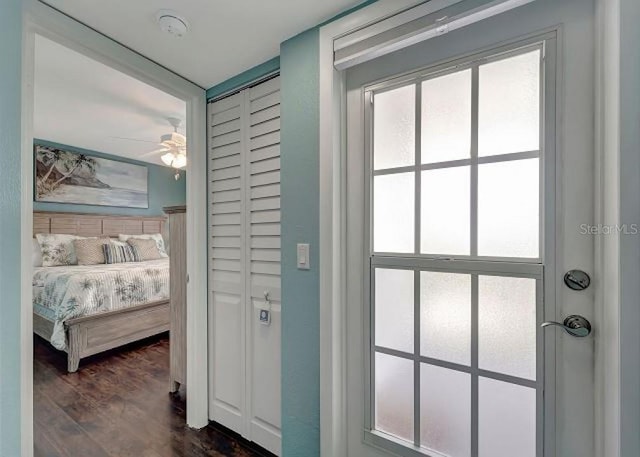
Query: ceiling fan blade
[(132, 139), (157, 151)]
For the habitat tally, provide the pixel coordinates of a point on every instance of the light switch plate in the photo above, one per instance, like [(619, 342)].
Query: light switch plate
[(303, 256)]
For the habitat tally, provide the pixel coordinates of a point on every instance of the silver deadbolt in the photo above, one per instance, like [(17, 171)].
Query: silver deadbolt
[(577, 279), (574, 325)]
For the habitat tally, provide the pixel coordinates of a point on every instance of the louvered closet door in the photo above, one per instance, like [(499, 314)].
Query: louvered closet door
[(245, 262)]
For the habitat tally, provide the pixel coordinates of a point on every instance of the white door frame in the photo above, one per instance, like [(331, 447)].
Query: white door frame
[(43, 20), (332, 96)]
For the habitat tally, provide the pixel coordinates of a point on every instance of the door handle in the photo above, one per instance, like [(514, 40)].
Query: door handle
[(574, 325)]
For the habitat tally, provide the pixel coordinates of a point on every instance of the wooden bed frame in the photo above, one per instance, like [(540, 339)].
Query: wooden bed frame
[(89, 335)]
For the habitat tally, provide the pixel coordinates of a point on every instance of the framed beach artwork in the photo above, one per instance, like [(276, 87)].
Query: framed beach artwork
[(68, 177)]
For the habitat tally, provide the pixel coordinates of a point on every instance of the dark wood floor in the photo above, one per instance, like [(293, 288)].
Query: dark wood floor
[(118, 405)]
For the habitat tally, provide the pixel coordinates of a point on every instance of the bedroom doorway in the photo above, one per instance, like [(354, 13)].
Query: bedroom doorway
[(104, 177)]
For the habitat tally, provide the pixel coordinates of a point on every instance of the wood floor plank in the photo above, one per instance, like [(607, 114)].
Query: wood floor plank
[(118, 405)]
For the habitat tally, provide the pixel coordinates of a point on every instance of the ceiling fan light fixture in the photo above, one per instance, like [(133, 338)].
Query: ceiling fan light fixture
[(168, 158), (180, 161)]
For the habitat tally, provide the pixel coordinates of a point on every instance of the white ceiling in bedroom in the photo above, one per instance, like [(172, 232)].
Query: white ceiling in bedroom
[(84, 103), (225, 38)]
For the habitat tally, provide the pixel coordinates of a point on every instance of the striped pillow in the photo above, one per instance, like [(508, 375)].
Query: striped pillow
[(119, 254)]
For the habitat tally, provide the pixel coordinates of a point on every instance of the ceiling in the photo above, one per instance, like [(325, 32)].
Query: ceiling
[(83, 103), (226, 37)]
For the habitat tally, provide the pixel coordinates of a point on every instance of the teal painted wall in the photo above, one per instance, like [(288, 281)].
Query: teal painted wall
[(164, 190), (244, 78), (10, 107), (300, 218), (300, 205)]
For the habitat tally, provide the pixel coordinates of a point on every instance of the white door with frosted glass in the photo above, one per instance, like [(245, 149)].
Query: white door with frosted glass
[(452, 202)]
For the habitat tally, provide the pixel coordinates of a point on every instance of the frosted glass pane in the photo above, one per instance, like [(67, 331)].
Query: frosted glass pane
[(507, 325), (394, 128), (509, 209), (445, 211), (509, 105), (446, 118), (507, 420), (394, 396), (445, 411), (393, 213), (394, 309), (445, 303)]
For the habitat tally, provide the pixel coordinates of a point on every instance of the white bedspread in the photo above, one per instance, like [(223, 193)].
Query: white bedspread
[(63, 293)]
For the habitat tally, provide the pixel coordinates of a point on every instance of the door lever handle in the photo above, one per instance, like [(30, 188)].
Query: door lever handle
[(574, 325)]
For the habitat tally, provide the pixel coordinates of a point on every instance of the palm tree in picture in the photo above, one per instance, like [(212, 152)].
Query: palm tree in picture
[(50, 158), (75, 162)]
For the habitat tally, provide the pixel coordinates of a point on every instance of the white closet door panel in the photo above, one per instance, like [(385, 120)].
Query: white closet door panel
[(260, 204), (244, 248), (224, 173), (226, 253), (224, 207), (265, 140), (225, 138), (265, 102), (265, 115), (266, 255), (227, 196), (226, 116), (225, 184), (268, 152), (265, 216), (266, 420), (225, 242), (264, 166), (266, 88), (265, 242), (225, 162), (225, 104), (225, 150), (265, 127), (265, 229), (264, 263), (228, 394), (225, 219), (272, 177), (269, 190), (227, 127)]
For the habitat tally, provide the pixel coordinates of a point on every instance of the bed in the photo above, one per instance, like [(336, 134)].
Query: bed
[(85, 310)]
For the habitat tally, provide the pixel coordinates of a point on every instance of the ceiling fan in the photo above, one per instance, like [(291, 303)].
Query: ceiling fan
[(173, 144)]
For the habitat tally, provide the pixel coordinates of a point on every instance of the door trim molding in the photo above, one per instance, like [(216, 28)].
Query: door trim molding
[(43, 20), (332, 112)]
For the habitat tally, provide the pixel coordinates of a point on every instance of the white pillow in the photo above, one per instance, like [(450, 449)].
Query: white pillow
[(36, 254), (157, 237), (57, 249)]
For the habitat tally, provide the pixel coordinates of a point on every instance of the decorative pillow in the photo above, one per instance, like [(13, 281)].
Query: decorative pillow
[(119, 254), (89, 250), (157, 237), (57, 249), (146, 249), (36, 254)]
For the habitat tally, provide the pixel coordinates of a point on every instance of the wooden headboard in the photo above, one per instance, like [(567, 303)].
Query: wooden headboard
[(95, 224)]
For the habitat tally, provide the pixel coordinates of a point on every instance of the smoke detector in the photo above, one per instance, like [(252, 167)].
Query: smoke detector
[(172, 23)]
